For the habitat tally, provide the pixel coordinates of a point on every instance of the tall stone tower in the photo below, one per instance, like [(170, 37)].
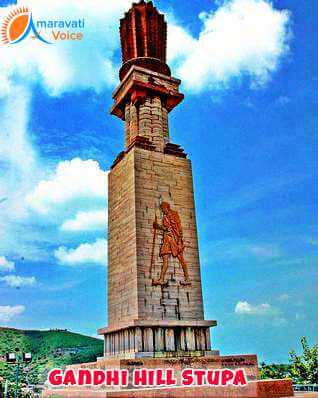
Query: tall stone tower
[(155, 303), (155, 308)]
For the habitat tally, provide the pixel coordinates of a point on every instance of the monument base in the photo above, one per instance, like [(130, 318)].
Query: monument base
[(165, 338), (254, 389)]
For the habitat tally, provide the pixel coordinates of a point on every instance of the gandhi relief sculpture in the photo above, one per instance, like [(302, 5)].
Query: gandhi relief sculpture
[(172, 243)]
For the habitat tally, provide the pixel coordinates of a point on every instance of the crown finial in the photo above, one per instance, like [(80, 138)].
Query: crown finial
[(143, 34)]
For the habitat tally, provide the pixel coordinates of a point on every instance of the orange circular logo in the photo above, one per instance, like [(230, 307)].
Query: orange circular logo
[(15, 25)]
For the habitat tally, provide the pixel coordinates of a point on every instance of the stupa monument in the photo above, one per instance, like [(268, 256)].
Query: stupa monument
[(155, 306)]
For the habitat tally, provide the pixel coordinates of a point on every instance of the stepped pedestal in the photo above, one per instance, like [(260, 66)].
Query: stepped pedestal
[(254, 389)]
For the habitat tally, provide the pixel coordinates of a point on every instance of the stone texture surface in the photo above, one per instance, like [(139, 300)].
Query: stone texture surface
[(136, 186), (158, 343), (143, 33), (148, 119), (122, 255), (141, 84), (149, 171), (160, 177)]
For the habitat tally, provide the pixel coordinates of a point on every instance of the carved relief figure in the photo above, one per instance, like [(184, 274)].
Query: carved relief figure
[(172, 243)]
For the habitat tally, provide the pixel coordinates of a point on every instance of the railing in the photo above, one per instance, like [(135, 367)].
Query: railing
[(305, 387)]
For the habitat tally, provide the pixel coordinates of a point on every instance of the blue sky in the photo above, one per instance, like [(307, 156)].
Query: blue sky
[(248, 123)]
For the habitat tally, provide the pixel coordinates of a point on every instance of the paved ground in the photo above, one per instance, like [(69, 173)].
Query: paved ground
[(306, 395)]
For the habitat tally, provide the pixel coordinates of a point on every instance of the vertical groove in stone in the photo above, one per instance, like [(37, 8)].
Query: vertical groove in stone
[(199, 339), (143, 33), (131, 340), (106, 345), (165, 124), (126, 341), (190, 339), (148, 340), (116, 343), (133, 122), (134, 53), (127, 124), (208, 338), (183, 346), (170, 340), (138, 340), (159, 340), (122, 342)]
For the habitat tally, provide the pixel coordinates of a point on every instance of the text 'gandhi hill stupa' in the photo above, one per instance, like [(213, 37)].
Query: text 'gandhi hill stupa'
[(155, 307)]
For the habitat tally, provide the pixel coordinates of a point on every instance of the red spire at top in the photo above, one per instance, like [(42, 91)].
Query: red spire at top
[(143, 34)]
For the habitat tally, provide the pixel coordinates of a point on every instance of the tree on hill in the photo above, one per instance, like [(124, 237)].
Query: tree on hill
[(50, 349)]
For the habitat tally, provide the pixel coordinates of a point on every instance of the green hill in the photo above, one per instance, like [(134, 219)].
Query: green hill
[(50, 349)]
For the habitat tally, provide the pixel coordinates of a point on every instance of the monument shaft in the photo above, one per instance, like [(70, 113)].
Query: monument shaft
[(155, 308), (155, 305)]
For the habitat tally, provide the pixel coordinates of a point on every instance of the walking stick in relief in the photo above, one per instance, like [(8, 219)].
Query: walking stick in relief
[(153, 247)]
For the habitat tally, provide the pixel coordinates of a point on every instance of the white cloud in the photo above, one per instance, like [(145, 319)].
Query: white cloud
[(71, 197), (265, 251), (86, 221), (284, 297), (59, 68), (14, 112), (245, 308), (18, 281), (283, 100), (6, 265), (241, 38), (7, 312), (237, 249), (177, 54), (91, 64), (86, 253), (76, 179), (19, 167), (300, 317), (66, 65)]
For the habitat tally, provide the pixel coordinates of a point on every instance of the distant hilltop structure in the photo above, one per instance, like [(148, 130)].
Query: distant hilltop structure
[(58, 330)]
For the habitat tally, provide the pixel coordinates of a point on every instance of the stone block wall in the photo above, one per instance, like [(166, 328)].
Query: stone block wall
[(137, 185), (147, 119), (160, 177), (122, 255)]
